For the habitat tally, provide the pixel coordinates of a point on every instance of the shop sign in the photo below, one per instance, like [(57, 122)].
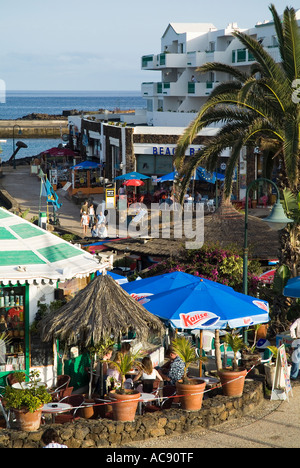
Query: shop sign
[(170, 151), (110, 198)]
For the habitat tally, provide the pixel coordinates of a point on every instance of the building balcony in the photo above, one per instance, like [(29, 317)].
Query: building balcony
[(164, 60), (201, 89)]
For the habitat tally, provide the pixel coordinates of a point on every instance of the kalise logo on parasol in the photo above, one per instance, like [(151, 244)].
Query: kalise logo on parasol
[(262, 305), (141, 297), (198, 319)]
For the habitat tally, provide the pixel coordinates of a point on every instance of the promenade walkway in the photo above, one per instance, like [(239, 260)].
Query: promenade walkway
[(25, 189), (275, 424)]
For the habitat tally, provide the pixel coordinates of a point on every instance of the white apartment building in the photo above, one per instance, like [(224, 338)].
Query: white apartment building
[(180, 92)]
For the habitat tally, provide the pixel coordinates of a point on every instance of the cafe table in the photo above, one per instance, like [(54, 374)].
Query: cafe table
[(56, 408), (25, 385), (145, 398)]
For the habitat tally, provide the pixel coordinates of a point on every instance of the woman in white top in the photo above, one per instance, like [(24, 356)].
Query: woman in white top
[(147, 372)]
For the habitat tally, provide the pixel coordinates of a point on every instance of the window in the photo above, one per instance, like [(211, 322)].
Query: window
[(12, 329)]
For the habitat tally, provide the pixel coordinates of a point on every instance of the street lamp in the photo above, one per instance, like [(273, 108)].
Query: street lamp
[(14, 148), (276, 220)]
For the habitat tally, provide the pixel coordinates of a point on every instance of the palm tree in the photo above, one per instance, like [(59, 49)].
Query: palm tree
[(253, 107)]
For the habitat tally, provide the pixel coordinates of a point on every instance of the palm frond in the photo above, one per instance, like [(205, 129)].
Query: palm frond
[(291, 63)]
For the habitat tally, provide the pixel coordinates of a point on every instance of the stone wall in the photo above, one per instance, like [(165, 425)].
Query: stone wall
[(97, 433)]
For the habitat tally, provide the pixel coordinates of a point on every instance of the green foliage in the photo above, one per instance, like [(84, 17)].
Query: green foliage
[(236, 343), (224, 265), (125, 364), (281, 277), (187, 352), (105, 344), (274, 351), (31, 398)]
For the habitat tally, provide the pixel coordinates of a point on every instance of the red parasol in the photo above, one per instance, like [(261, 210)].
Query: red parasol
[(134, 183), (59, 152), (267, 277)]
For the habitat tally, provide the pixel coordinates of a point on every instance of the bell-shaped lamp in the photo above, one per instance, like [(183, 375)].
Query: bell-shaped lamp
[(277, 219)]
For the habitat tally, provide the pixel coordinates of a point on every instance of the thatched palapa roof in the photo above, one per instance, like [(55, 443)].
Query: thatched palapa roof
[(98, 310), (226, 227)]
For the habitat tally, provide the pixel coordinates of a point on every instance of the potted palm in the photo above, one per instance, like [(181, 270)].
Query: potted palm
[(27, 401), (125, 401), (190, 391), (233, 379)]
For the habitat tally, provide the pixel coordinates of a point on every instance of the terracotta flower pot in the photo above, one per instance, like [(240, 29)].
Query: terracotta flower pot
[(124, 405), (191, 394), (87, 410), (262, 331), (232, 381), (27, 421)]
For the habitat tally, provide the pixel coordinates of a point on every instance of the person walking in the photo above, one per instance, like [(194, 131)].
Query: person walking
[(84, 222), (91, 214)]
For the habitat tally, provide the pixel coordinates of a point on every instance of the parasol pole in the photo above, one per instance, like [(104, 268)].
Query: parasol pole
[(200, 352)]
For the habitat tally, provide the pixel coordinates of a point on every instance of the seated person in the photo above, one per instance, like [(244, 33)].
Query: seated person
[(102, 231), (173, 370), (148, 372), (125, 347), (94, 230), (112, 370)]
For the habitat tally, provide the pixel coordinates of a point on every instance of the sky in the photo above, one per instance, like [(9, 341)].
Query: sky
[(92, 45)]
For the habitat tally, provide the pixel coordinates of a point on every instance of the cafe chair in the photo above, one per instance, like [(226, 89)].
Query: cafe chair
[(11, 379), (61, 385), (169, 391), (67, 392), (77, 402), (155, 387)]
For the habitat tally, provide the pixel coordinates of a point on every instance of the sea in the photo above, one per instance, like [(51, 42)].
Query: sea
[(22, 103)]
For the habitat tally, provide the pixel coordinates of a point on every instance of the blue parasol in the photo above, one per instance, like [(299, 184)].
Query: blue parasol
[(158, 284), (201, 174), (118, 278), (207, 305), (85, 165), (132, 175), (292, 288)]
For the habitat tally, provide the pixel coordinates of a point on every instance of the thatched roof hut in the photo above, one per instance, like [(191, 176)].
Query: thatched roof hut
[(100, 309), (226, 227)]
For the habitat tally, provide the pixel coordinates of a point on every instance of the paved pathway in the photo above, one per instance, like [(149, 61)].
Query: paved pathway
[(25, 189), (275, 424)]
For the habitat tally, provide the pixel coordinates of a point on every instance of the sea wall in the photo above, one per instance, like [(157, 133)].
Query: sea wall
[(97, 433), (33, 128)]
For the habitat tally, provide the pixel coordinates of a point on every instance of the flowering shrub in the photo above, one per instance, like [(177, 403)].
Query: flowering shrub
[(223, 265)]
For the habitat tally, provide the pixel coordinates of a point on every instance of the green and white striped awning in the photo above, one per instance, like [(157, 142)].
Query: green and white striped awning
[(29, 253)]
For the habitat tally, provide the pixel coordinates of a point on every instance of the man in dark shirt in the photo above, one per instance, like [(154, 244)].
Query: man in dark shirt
[(174, 369)]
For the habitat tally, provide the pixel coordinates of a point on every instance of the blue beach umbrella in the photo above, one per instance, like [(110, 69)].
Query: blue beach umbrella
[(207, 305), (167, 177), (292, 288), (85, 165), (132, 175), (158, 284), (118, 278)]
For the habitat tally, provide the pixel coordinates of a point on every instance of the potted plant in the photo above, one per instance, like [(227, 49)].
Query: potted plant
[(27, 402), (125, 401), (233, 379), (190, 391)]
